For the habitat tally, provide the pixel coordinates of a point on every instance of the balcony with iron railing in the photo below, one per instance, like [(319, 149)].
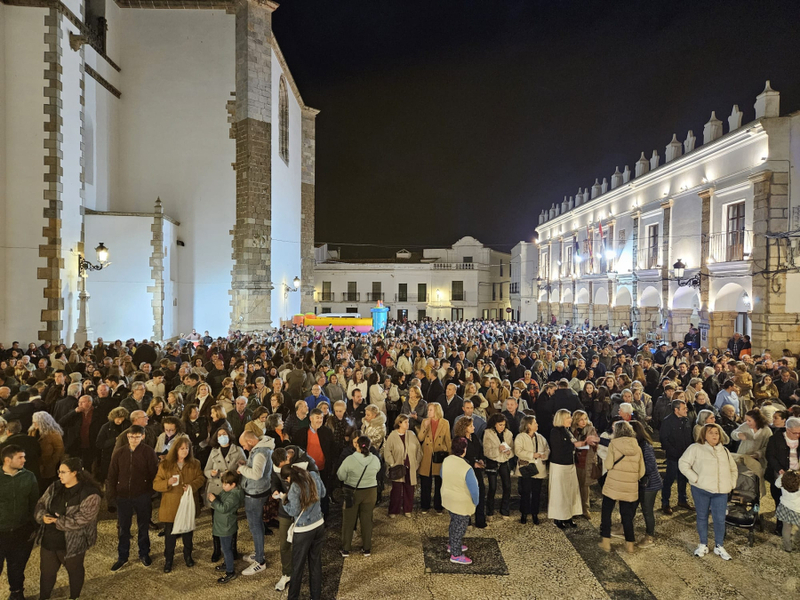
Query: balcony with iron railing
[(351, 296), (323, 296), (730, 246), (411, 298), (374, 296)]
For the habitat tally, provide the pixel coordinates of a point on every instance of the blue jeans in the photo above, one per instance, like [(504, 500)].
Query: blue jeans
[(718, 504), (226, 543), (669, 478), (254, 509)]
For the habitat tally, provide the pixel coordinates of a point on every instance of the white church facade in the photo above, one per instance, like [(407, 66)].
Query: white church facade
[(173, 133)]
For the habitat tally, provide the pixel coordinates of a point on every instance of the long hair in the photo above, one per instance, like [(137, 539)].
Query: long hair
[(47, 424), (308, 487), (171, 459)]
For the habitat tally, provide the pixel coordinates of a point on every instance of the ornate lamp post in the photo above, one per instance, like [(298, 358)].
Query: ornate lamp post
[(84, 331)]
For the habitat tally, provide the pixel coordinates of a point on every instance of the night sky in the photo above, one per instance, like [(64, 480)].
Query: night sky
[(441, 119)]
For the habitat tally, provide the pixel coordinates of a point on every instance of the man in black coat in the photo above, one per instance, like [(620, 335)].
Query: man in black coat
[(452, 404), (33, 451), (435, 388), (81, 427), (544, 409), (777, 455), (565, 398), (676, 436), (650, 375), (22, 411), (69, 403)]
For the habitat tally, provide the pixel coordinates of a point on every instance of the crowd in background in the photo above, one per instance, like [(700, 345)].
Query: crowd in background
[(290, 424)]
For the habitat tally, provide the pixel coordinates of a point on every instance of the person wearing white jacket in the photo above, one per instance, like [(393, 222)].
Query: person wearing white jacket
[(712, 474), (530, 447)]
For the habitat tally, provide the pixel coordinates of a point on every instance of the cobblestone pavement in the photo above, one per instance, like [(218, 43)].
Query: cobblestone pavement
[(542, 562)]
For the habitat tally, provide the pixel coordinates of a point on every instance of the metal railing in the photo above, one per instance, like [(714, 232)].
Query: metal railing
[(730, 246), (374, 296), (454, 266), (351, 296), (324, 296), (411, 298), (458, 296)]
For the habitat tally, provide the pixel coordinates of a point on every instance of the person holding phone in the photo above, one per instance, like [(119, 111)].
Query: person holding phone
[(67, 515)]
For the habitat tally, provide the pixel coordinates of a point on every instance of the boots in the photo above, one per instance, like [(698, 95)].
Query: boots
[(605, 544), (215, 556), (630, 547), (647, 542)]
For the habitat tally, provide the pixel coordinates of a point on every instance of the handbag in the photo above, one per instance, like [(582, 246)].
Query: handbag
[(347, 491), (397, 472), (184, 518), (529, 469), (439, 456), (597, 470), (290, 531)]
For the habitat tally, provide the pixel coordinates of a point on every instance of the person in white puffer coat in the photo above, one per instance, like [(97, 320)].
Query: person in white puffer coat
[(712, 474)]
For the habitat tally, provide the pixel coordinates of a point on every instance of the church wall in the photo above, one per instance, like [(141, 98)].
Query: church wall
[(177, 76), (119, 307), (22, 142), (286, 205), (71, 201), (2, 162)]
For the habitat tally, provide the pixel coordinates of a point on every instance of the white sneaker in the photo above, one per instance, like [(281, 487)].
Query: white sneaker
[(720, 551), (701, 550), (252, 558), (281, 585), (255, 568)]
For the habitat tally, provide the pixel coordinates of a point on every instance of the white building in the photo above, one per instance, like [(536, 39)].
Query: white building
[(466, 281), (728, 209), (524, 287), (111, 105)]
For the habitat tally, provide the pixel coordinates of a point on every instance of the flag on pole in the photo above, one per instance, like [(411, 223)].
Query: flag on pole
[(602, 244), (590, 242)]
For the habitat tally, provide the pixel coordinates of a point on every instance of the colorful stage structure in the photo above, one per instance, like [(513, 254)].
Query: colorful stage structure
[(380, 317)]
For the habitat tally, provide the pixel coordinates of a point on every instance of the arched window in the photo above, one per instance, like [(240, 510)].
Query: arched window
[(283, 121)]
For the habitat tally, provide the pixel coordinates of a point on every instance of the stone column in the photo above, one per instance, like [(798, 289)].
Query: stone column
[(705, 240), (666, 264), (679, 325), (157, 272), (251, 284), (634, 316), (308, 179), (721, 329), (773, 327)]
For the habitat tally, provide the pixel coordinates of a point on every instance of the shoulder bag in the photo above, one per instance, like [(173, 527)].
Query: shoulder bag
[(530, 469), (347, 491)]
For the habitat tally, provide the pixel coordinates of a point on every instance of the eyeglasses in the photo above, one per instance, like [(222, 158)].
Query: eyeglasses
[(61, 472)]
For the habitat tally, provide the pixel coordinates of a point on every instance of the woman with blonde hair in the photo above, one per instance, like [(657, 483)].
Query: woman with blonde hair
[(225, 399), (204, 400), (434, 435), (532, 451), (178, 472), (585, 456), (564, 500), (478, 401)]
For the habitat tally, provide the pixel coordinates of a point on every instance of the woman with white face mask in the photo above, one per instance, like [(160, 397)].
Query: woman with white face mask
[(225, 456)]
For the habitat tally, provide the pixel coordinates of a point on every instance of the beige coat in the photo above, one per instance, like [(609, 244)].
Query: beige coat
[(491, 445), (524, 449), (191, 474), (441, 443), (395, 452), (711, 468), (625, 465)]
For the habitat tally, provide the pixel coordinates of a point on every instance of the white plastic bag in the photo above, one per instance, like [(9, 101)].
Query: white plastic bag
[(184, 518)]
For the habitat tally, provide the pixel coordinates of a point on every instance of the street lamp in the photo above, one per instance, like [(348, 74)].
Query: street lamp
[(84, 332), (84, 265), (678, 269), (287, 289)]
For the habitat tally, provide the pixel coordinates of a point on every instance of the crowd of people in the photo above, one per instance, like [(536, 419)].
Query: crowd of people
[(290, 424)]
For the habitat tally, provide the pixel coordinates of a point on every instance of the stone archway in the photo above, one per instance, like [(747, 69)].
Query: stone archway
[(650, 318), (684, 313), (729, 302)]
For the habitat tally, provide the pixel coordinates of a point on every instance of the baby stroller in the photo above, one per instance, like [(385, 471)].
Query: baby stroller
[(743, 502)]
